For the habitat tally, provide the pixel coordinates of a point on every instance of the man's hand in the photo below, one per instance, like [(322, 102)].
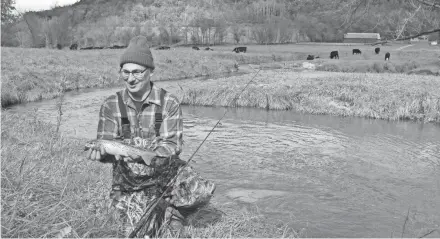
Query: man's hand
[(98, 154)]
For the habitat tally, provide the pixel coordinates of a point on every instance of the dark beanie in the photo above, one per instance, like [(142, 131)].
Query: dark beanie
[(138, 51)]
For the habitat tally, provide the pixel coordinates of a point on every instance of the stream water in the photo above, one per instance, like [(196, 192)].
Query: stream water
[(330, 176)]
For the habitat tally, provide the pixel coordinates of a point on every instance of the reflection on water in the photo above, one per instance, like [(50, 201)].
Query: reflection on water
[(336, 177)]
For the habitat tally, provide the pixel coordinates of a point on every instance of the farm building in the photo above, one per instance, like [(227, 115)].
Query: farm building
[(361, 37)]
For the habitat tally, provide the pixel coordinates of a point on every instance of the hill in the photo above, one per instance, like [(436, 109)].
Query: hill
[(210, 22)]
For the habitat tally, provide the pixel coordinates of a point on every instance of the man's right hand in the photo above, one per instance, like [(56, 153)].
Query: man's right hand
[(99, 154), (96, 154)]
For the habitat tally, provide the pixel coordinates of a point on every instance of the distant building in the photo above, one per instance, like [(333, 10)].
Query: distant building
[(361, 37)]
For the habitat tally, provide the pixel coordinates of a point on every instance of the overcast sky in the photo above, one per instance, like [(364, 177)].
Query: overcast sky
[(35, 5)]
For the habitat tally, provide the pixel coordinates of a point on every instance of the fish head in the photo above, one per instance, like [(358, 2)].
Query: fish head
[(92, 144)]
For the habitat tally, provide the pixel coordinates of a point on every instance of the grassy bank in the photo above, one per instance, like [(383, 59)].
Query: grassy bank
[(49, 189), (35, 74), (378, 96)]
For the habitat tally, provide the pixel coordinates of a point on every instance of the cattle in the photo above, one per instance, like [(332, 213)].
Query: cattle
[(387, 56), (377, 50), (117, 47), (163, 48), (240, 49), (209, 49), (356, 51), (334, 54), (310, 57), (195, 48), (74, 46)]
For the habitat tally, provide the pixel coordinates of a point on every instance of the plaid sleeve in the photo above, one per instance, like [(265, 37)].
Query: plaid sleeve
[(107, 125), (171, 130)]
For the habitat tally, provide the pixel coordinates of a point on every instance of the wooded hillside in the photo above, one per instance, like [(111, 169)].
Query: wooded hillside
[(115, 22)]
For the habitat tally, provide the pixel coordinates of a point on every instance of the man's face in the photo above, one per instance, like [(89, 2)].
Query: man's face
[(136, 77)]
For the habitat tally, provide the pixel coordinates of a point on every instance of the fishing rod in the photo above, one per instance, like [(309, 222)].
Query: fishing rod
[(153, 205)]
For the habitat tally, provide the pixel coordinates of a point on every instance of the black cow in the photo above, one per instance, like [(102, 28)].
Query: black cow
[(74, 46), (195, 48), (240, 49), (356, 51), (310, 57), (377, 50), (334, 54), (163, 48), (387, 56), (117, 47), (209, 49)]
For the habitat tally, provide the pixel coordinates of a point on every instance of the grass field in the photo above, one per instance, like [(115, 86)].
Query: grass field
[(49, 189), (372, 95), (35, 74)]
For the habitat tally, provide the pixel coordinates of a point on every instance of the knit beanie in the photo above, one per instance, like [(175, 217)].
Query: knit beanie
[(138, 51)]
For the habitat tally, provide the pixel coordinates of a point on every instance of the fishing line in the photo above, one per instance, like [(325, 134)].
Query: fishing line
[(148, 209)]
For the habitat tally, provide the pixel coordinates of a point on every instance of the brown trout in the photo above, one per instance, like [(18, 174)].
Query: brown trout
[(114, 147)]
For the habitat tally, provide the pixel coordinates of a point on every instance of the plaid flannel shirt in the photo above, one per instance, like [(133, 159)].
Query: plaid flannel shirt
[(142, 124)]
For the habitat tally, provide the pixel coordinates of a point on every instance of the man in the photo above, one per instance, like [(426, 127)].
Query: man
[(147, 116)]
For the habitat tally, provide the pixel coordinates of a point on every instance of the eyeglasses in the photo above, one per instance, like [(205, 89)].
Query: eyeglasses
[(138, 74)]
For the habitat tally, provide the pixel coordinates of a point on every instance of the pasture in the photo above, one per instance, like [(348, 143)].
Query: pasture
[(35, 74)]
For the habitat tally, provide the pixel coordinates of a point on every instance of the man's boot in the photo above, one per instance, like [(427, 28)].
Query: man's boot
[(175, 222)]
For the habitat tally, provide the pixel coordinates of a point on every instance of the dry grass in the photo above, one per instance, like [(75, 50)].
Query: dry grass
[(378, 96), (49, 189), (35, 74)]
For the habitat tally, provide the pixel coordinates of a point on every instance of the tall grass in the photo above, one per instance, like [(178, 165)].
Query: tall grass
[(379, 96), (49, 189), (35, 74)]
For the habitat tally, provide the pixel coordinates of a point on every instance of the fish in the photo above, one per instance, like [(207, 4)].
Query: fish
[(114, 147)]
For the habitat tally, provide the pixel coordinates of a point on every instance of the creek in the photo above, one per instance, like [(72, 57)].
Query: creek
[(330, 176)]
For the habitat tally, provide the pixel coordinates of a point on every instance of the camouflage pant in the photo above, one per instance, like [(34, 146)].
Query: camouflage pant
[(131, 207)]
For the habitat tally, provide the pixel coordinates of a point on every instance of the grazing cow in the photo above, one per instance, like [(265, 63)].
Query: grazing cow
[(195, 48), (387, 56), (310, 57), (117, 47), (74, 46), (356, 51), (209, 49), (163, 48), (377, 50), (334, 54), (240, 49)]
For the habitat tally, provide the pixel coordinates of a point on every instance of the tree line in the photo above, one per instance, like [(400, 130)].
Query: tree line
[(211, 22)]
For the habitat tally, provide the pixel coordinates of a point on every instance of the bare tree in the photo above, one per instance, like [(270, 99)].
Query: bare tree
[(416, 17)]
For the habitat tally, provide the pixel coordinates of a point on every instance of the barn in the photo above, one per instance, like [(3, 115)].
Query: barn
[(361, 37)]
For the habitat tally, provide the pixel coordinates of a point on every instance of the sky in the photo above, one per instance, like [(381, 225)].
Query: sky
[(36, 5)]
